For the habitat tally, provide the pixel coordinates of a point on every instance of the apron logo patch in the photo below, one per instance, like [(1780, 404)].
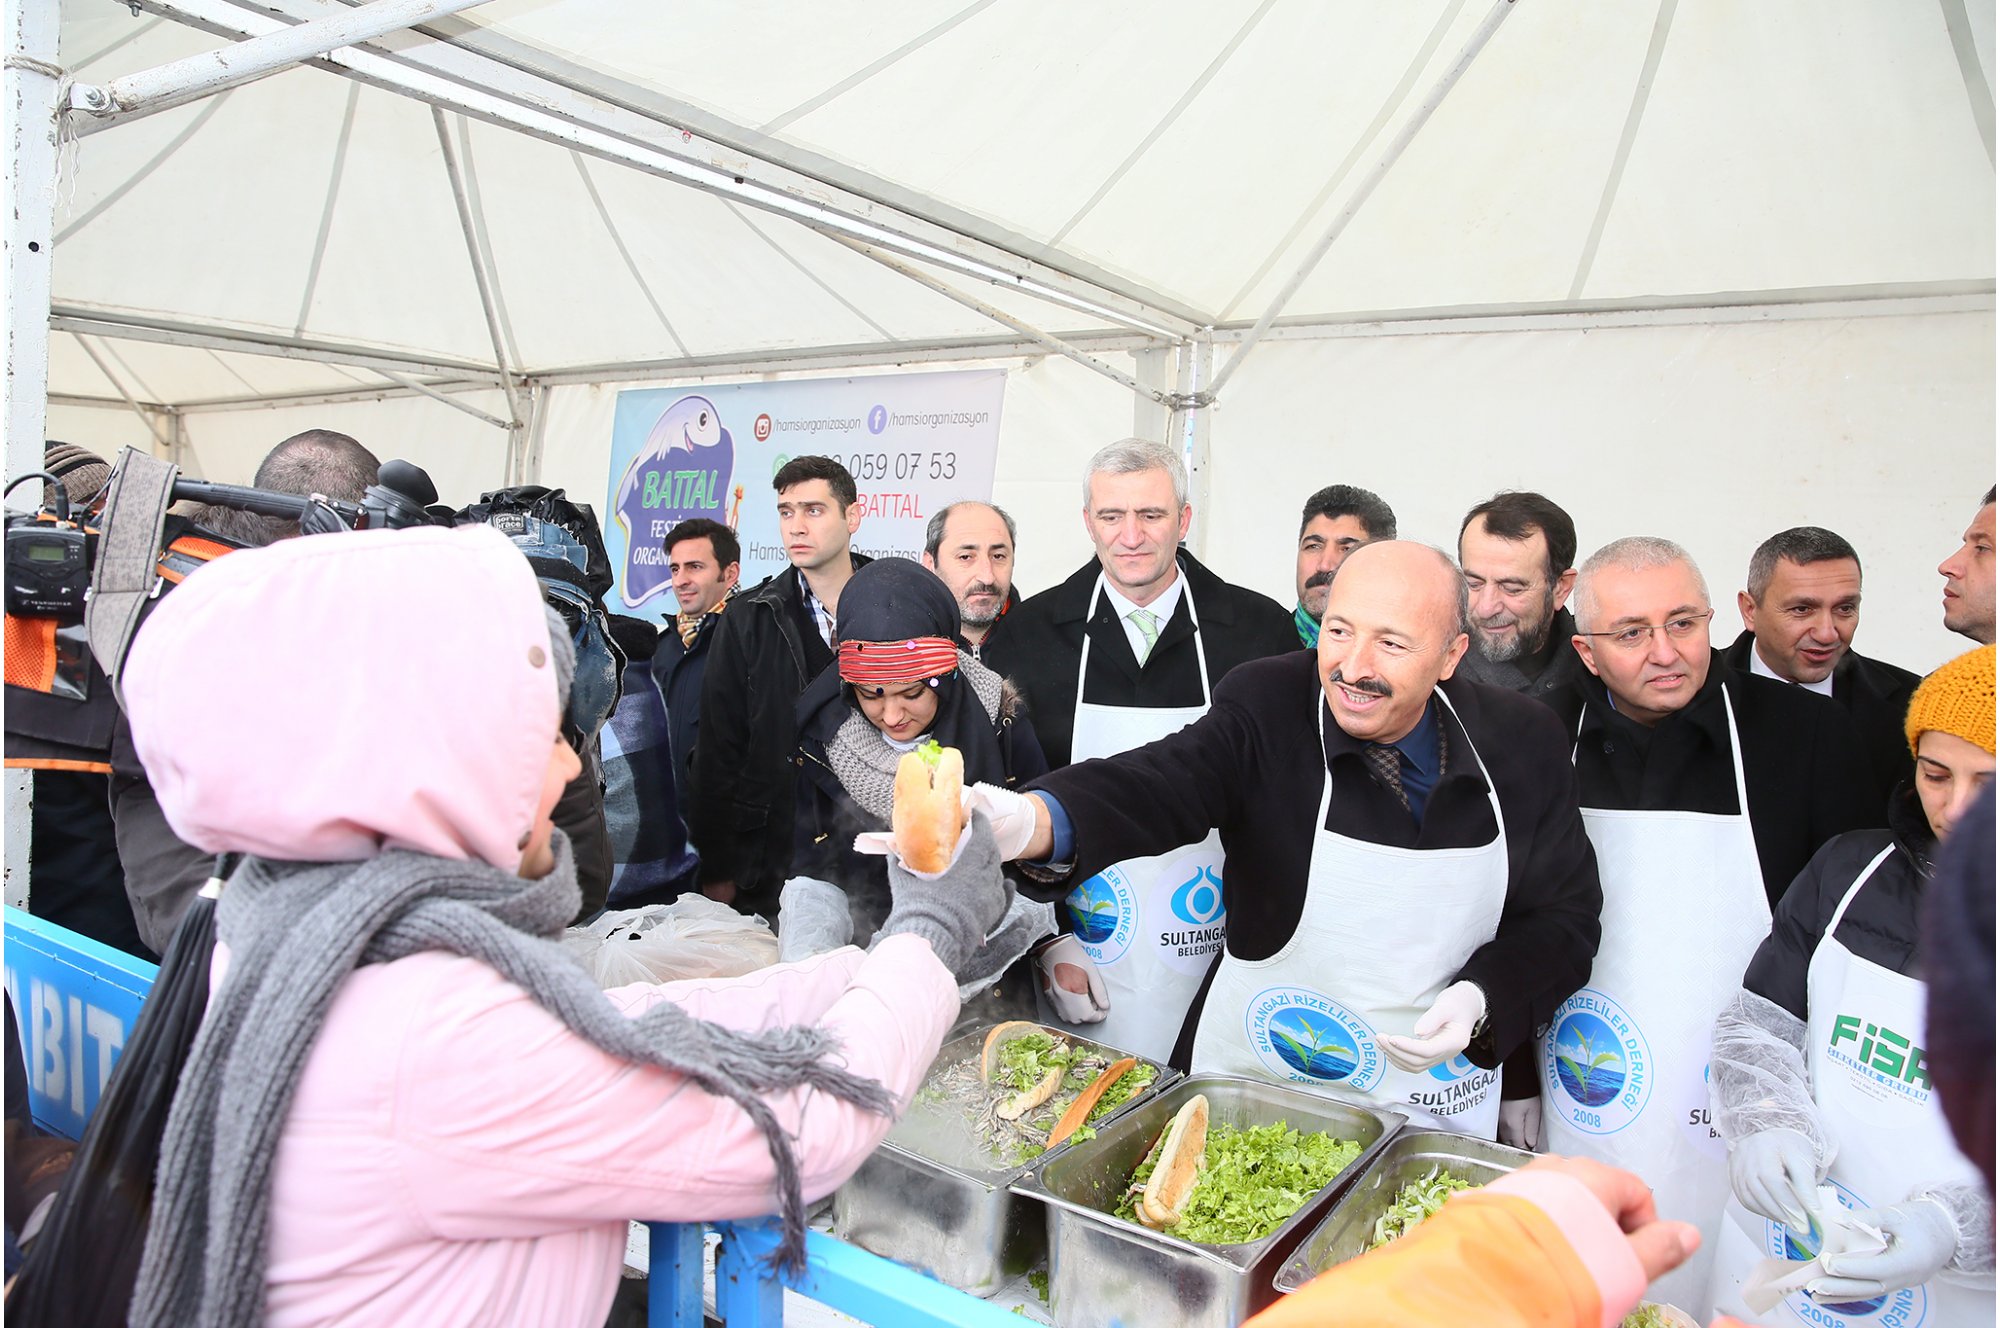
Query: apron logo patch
[(1103, 915), (1300, 1035), (1882, 1063), (1598, 1069), (1187, 907), (1907, 1308)]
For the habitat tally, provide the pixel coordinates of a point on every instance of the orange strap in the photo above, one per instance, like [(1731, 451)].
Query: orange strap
[(31, 653), (55, 763)]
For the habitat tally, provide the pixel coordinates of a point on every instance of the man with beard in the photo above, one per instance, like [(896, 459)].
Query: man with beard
[(970, 545), (1516, 550), (1338, 520), (1968, 578)]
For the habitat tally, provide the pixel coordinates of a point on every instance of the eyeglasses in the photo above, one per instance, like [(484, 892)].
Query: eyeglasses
[(1638, 637)]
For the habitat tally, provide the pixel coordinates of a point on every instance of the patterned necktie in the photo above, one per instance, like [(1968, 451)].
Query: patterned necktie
[(1149, 628), (690, 627), (1388, 763)]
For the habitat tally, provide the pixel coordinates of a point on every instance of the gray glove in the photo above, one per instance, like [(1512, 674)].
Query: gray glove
[(956, 911)]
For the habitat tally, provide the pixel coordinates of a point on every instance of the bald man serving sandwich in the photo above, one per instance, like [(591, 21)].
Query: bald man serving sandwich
[(1409, 887)]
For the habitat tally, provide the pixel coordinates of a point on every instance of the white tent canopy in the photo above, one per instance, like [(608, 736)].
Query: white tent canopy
[(1708, 268)]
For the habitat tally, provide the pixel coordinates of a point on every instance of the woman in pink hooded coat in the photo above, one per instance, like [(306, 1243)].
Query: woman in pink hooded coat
[(406, 1105)]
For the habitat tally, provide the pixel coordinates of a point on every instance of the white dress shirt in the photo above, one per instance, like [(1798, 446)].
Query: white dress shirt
[(1162, 610), (1757, 666)]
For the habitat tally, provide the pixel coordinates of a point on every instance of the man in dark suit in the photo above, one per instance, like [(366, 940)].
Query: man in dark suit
[(1127, 651), (1800, 613), (1136, 512)]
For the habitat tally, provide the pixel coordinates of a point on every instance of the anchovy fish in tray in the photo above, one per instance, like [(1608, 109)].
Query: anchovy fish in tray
[(935, 1196), (1349, 1228), (1106, 1271)]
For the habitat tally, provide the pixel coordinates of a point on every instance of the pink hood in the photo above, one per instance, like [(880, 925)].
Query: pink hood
[(333, 696)]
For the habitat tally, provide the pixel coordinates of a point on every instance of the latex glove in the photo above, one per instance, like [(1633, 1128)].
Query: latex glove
[(813, 918), (1442, 1031), (956, 910), (1012, 814), (1071, 982), (1521, 1122), (1775, 1175), (1922, 1239)]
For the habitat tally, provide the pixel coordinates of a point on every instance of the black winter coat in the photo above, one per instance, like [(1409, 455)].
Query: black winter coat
[(1253, 767), (679, 670), (765, 652), (828, 820), (1043, 641), (1876, 696), (1880, 925), (1802, 764)]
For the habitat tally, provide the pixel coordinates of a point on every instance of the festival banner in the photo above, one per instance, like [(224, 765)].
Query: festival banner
[(913, 442)]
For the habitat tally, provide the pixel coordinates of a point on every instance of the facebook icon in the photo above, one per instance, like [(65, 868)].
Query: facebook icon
[(878, 419)]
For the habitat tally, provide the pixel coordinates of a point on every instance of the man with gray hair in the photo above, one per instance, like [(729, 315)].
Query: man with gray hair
[(1704, 790), (1127, 650), (1800, 613), (970, 545)]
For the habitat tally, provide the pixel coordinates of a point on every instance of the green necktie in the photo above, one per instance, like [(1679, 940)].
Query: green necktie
[(1149, 627)]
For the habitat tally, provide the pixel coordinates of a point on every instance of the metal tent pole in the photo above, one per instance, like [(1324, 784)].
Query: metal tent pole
[(198, 76), (1390, 156), (1001, 316), (32, 81)]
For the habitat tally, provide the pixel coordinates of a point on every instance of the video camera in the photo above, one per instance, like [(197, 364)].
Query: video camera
[(48, 552)]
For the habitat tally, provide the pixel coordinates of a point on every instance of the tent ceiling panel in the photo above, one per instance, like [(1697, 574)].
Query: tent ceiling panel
[(1746, 173), (178, 375), (1183, 148), (1854, 159)]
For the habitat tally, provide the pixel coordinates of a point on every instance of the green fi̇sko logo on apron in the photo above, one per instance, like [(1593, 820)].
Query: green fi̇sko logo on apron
[(1300, 1035), (1907, 1308), (1599, 1069), (1884, 1065)]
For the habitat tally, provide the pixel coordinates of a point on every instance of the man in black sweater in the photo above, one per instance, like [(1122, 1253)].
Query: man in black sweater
[(773, 640), (1410, 890)]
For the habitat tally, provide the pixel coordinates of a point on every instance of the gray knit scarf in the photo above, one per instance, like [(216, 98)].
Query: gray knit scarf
[(864, 762), (294, 931)]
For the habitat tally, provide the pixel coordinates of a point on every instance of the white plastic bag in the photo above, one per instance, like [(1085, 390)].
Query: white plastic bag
[(693, 937)]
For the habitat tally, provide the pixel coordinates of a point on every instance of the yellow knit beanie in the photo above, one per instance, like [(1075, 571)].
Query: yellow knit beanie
[(1957, 699)]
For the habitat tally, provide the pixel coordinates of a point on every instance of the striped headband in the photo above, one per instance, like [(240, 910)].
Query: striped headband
[(884, 663)]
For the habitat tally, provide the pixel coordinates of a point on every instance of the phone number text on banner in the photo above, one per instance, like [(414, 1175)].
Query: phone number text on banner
[(913, 442)]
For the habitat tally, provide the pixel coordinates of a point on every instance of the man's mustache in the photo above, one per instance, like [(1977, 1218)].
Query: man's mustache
[(1318, 579), (983, 588), (1373, 686)]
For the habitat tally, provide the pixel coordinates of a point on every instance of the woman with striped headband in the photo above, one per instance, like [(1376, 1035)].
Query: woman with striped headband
[(898, 679)]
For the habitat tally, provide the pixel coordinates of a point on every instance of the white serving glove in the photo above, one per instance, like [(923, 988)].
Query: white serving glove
[(1775, 1174), (1442, 1031), (1077, 994), (1012, 814), (1521, 1122), (1922, 1239)]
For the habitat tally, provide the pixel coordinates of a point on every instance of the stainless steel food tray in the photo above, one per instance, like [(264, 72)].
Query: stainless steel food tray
[(1350, 1224), (960, 1223), (1104, 1271)]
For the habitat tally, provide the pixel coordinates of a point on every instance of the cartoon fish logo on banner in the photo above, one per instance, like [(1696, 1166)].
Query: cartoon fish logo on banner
[(682, 471)]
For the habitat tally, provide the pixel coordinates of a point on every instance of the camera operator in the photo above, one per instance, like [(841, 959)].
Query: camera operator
[(162, 874)]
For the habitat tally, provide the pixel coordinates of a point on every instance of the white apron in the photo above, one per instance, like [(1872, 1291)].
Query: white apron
[(1625, 1062), (1891, 1137), (1151, 925), (1383, 931)]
